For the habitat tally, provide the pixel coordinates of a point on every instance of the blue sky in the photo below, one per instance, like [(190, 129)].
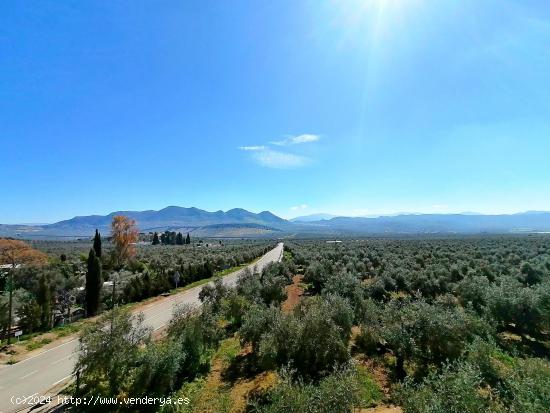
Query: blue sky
[(347, 107)]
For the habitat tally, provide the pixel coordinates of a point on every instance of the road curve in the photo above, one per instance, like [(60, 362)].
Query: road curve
[(39, 374)]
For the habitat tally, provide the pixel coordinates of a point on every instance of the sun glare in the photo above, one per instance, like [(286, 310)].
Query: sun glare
[(372, 20)]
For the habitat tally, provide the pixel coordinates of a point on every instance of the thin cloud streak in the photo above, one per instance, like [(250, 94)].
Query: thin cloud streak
[(279, 160), (296, 140), (252, 148)]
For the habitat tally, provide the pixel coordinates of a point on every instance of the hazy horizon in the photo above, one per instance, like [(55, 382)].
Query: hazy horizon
[(291, 217)]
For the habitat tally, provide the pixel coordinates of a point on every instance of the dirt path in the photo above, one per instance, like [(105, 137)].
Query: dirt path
[(294, 294)]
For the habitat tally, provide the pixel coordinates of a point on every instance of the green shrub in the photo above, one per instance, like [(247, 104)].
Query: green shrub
[(455, 390), (339, 392), (312, 340)]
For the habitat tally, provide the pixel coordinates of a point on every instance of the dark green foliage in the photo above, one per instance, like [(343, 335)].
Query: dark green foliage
[(316, 275), (156, 240), (472, 292), (427, 334), (157, 371), (188, 239), (234, 307), (454, 390), (528, 386), (213, 294), (94, 282), (97, 244), (347, 286), (4, 310), (196, 333), (110, 353), (486, 380), (522, 309), (267, 287), (155, 270), (168, 238), (531, 275), (44, 301), (338, 392), (30, 315), (117, 357), (313, 340)]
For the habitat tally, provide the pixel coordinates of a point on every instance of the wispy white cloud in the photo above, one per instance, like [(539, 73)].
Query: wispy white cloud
[(266, 156), (279, 160), (295, 140), (299, 207), (252, 148)]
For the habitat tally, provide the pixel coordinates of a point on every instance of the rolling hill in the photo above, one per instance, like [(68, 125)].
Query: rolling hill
[(239, 222)]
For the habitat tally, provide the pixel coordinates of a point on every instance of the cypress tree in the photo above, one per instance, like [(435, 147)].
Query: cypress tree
[(156, 240), (97, 244), (188, 239), (179, 239), (44, 300), (94, 283)]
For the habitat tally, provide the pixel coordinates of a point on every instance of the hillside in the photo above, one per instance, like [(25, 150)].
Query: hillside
[(239, 222)]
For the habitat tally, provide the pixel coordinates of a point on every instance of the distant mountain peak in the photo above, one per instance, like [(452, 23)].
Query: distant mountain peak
[(313, 217), (172, 217)]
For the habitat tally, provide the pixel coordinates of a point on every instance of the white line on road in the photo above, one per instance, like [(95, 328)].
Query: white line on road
[(44, 352), (63, 379), (63, 359), (27, 375)]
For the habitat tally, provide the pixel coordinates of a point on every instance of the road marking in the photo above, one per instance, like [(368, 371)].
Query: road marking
[(27, 375), (60, 360), (42, 353), (63, 379)]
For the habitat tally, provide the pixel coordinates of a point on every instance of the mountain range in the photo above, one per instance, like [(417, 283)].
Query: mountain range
[(242, 223)]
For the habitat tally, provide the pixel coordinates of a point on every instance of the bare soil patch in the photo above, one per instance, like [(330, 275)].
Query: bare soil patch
[(294, 294)]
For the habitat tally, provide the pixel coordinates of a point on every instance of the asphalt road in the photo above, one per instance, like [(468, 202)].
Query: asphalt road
[(40, 374)]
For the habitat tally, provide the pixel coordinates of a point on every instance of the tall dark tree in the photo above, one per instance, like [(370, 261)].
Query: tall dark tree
[(156, 240), (97, 244), (188, 239), (44, 300), (14, 253), (29, 315), (94, 282), (179, 239)]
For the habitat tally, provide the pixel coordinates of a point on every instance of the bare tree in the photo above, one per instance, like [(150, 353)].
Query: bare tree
[(125, 234)]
